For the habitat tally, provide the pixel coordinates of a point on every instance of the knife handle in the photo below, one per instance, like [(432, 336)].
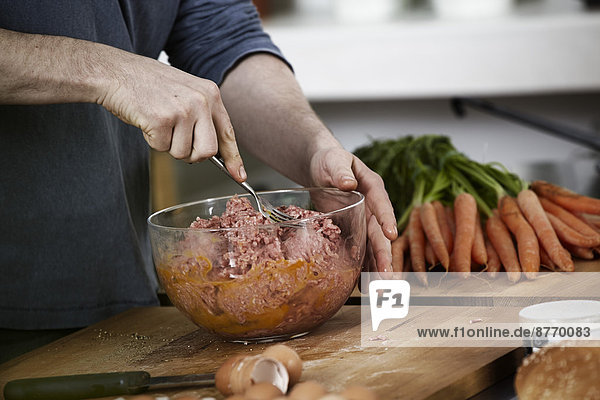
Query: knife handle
[(77, 386)]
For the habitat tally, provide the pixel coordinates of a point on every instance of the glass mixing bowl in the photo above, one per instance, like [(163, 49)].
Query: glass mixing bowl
[(261, 282)]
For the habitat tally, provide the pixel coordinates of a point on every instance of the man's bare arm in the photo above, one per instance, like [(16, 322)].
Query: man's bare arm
[(176, 111), (276, 123), (39, 69)]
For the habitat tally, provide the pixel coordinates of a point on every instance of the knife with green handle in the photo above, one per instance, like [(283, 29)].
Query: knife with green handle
[(97, 385)]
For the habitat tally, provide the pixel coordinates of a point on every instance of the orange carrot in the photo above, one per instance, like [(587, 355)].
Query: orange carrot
[(432, 230), (568, 235), (533, 211), (592, 220), (465, 217), (502, 242), (450, 220), (569, 218), (430, 255), (494, 265), (527, 243), (585, 253), (399, 246), (546, 261), (566, 198), (478, 252), (444, 226), (416, 242)]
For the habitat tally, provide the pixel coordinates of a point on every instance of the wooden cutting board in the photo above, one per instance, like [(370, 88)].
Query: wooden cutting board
[(162, 341)]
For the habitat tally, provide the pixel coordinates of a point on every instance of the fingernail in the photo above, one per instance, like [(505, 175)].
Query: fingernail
[(243, 173), (350, 180), (392, 230)]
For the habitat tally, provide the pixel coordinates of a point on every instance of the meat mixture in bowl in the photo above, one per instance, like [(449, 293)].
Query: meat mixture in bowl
[(261, 279)]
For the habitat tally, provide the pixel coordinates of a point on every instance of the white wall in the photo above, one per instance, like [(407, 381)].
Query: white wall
[(394, 78)]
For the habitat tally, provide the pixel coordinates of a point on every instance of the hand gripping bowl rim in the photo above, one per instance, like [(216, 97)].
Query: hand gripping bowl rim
[(361, 199)]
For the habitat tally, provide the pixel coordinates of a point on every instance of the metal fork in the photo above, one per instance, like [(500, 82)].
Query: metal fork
[(266, 209)]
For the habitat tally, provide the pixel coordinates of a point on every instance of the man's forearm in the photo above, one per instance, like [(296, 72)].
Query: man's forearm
[(41, 69), (272, 117), (176, 112)]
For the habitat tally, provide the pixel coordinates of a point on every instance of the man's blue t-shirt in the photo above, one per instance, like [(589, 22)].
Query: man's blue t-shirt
[(74, 187)]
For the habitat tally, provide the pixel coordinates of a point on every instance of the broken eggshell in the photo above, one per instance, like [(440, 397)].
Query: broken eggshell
[(308, 390), (289, 358), (262, 391), (249, 370), (223, 375)]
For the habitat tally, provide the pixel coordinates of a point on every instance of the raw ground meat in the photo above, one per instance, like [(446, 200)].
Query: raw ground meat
[(261, 279), (258, 242)]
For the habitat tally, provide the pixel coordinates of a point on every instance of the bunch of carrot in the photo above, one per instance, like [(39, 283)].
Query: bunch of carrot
[(465, 215), (546, 225)]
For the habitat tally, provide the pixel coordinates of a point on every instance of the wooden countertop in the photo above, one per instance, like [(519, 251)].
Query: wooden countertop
[(162, 341)]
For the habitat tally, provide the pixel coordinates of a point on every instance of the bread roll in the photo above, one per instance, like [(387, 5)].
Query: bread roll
[(560, 372)]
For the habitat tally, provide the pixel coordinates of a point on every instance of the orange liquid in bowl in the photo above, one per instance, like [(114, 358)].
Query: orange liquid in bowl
[(274, 298)]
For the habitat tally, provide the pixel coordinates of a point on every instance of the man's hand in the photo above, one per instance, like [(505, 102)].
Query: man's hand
[(276, 123), (336, 167), (177, 112)]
